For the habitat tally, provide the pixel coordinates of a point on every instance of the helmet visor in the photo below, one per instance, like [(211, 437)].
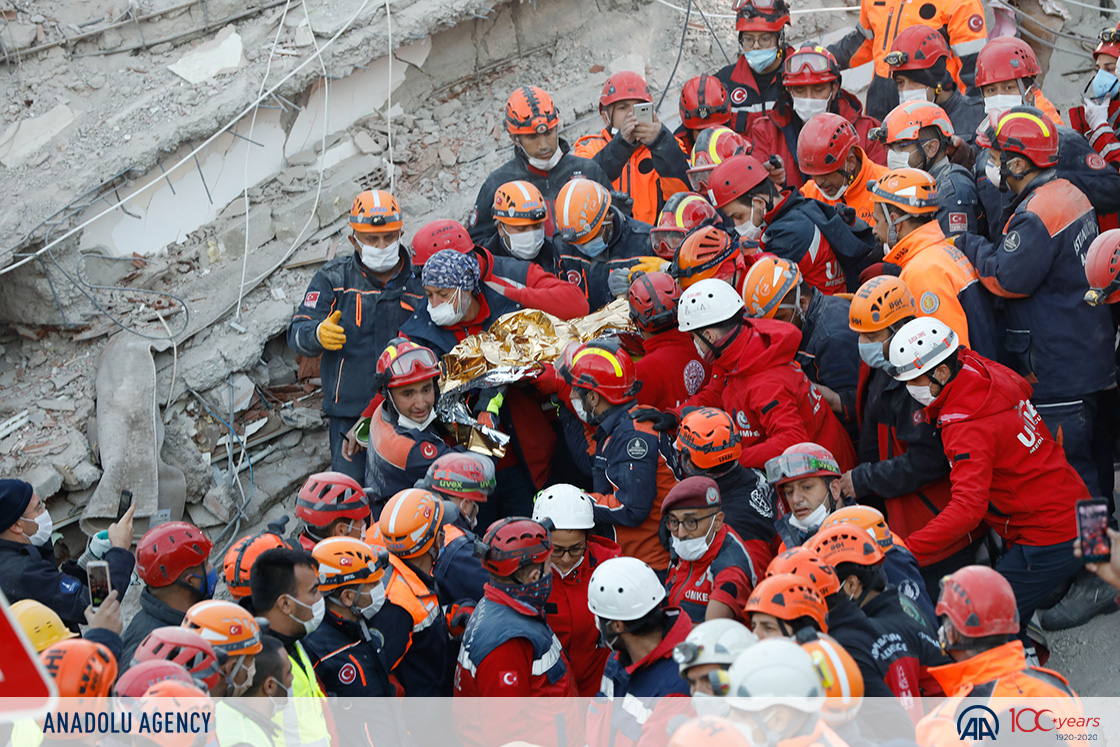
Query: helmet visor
[(764, 6), (412, 361), (807, 62), (792, 466)]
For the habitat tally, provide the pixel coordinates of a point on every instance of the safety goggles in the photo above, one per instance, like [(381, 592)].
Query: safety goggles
[(698, 178), (921, 361), (413, 360), (764, 6), (807, 62), (791, 466)]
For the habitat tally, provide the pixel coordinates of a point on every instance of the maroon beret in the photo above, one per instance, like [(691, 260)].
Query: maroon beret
[(692, 492)]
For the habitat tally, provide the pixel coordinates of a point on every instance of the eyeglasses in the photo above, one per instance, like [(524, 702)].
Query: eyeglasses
[(572, 552), (763, 41), (673, 523), (794, 465)]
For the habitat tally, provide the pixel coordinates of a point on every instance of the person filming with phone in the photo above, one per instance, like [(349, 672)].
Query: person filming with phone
[(28, 569)]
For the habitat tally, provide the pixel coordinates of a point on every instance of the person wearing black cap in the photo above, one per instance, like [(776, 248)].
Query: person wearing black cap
[(712, 574), (28, 569)]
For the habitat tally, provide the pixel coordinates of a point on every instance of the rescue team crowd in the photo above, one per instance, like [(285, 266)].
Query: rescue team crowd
[(875, 371)]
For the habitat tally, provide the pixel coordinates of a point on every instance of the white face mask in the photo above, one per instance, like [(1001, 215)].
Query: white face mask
[(250, 673), (449, 312), (898, 159), (710, 705), (377, 601), (806, 109), (749, 231), (813, 520), (45, 526), (921, 393), (578, 408), (318, 610), (381, 260), (1002, 102), (415, 425), (913, 94), (692, 549), (571, 570), (835, 195), (525, 245), (549, 164)]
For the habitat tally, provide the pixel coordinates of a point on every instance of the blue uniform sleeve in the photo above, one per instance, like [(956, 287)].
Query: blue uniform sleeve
[(63, 593), (631, 468), (481, 223), (110, 640), (1017, 264), (318, 303)]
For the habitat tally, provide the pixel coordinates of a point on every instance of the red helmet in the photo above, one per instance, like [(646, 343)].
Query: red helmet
[(713, 146), (166, 550), (1005, 58), (1029, 133), (808, 66), (704, 102), (460, 475), (824, 144), (653, 300), (187, 648), (799, 461), (734, 178), (511, 544), (139, 677), (179, 697), (979, 602), (407, 363), (683, 212), (605, 368), (917, 48), (530, 110), (437, 236), (625, 85), (328, 496), (1110, 43), (239, 560), (1102, 268), (761, 15)]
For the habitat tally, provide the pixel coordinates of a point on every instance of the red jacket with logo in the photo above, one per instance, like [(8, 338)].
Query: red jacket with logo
[(774, 406), (1006, 468), (725, 574), (671, 370)]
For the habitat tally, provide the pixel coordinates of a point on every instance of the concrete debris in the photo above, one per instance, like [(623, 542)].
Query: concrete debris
[(22, 139), (223, 54), (45, 478)]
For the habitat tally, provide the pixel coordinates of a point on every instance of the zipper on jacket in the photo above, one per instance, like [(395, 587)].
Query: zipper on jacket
[(358, 310), (887, 30)]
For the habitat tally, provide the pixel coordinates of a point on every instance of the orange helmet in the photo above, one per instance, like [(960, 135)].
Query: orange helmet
[(801, 561), (625, 85), (910, 190), (703, 254), (411, 520), (713, 146), (228, 627), (171, 695), (530, 110), (80, 668), (345, 561), (905, 122), (839, 675), (844, 543), (767, 284), (868, 517), (375, 212), (239, 560), (683, 212), (788, 597), (519, 203), (709, 438), (879, 303), (708, 731), (581, 207)]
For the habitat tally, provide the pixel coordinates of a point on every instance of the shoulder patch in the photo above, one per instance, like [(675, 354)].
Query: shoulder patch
[(68, 584), (347, 674), (693, 376), (311, 299), (472, 220), (958, 222), (1012, 241), (975, 22), (428, 450), (1095, 161), (637, 448), (929, 302)]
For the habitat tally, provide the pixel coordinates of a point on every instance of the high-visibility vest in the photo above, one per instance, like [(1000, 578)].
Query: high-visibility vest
[(231, 727), (405, 589), (301, 721), (26, 733)]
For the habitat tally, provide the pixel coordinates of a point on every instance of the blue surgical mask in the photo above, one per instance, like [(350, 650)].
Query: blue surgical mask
[(593, 248), (871, 353), (760, 59), (1104, 85), (209, 584)]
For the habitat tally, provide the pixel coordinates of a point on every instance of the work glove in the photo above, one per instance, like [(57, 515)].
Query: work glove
[(648, 264), (663, 422), (624, 202), (330, 334), (99, 544), (618, 282), (1096, 112)]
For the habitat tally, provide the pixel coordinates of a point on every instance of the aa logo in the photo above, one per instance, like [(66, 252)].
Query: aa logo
[(977, 722)]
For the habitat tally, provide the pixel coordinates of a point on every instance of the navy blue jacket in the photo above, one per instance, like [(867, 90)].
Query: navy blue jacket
[(629, 242), (657, 675), (372, 313), (154, 613), (30, 572), (348, 660), (893, 610), (458, 572), (958, 204), (829, 352), (397, 456), (965, 113), (747, 500), (423, 331), (904, 574)]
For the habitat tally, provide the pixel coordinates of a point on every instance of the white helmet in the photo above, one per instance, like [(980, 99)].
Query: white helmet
[(567, 506), (623, 589), (920, 346), (708, 302), (718, 641), (775, 672)]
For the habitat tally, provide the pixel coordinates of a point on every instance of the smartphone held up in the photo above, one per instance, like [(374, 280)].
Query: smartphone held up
[(97, 572), (1092, 530)]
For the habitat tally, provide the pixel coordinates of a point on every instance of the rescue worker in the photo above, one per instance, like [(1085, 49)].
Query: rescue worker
[(712, 574), (828, 354), (811, 86), (829, 153), (919, 63), (410, 527), (331, 504), (629, 473), (784, 603), (467, 480), (642, 159), (598, 242), (942, 279), (1006, 72), (285, 590), (540, 157), (918, 135), (352, 308), (962, 23), (576, 553), (1096, 117), (709, 252), (1037, 268), (829, 248), (706, 654), (683, 212), (403, 434), (251, 719), (519, 215), (186, 648), (803, 475), (979, 622), (1006, 468), (234, 635), (670, 369), (754, 380), (28, 569), (708, 445), (171, 560), (754, 81), (713, 146), (238, 563), (703, 104)]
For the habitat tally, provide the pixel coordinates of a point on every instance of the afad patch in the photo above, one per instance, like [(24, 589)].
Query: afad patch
[(975, 22), (958, 222), (472, 221), (1095, 161), (347, 674), (428, 450), (1012, 241), (929, 302), (311, 299), (637, 448)]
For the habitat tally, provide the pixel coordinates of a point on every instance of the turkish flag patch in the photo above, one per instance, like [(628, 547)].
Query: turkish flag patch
[(958, 222), (508, 679), (976, 22), (311, 299), (428, 450)]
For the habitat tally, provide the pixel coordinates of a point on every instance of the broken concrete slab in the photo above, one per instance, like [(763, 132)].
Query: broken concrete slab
[(44, 478), (24, 138), (223, 54), (232, 242)]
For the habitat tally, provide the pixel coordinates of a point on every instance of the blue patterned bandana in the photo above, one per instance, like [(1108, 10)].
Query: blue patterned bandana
[(450, 269)]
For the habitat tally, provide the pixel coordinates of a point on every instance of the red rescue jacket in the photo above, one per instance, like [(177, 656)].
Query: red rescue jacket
[(671, 370)]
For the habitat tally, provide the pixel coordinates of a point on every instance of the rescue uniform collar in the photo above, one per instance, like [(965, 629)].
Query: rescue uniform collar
[(986, 667), (496, 595), (400, 277), (676, 629), (160, 609), (519, 154), (612, 417), (918, 240), (1044, 176)]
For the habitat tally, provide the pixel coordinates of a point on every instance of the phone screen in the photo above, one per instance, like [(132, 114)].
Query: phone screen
[(99, 586), (1092, 524), (124, 502)]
